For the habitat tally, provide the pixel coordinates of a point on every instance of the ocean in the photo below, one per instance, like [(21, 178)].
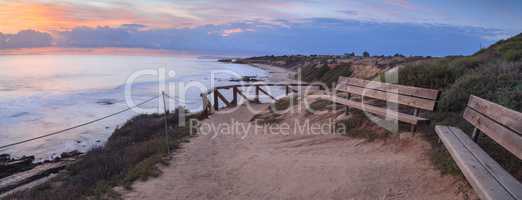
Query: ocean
[(40, 94)]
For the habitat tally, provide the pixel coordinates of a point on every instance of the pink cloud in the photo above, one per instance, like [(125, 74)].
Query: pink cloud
[(229, 32)]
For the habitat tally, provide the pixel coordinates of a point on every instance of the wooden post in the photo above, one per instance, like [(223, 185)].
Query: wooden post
[(166, 122), (216, 100), (257, 94), (347, 108), (206, 104), (266, 93), (234, 96), (413, 128), (223, 99), (242, 95), (287, 90)]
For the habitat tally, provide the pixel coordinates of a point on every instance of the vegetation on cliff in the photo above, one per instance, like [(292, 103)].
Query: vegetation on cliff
[(132, 152), (328, 68), (494, 73)]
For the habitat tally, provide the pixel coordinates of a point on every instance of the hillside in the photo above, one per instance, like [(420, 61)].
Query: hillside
[(493, 73), (327, 68)]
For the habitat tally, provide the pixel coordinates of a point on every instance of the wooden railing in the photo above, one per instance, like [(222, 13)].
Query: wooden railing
[(208, 107)]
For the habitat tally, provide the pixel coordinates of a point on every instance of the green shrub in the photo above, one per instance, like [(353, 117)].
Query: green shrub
[(267, 118), (331, 76), (436, 73), (284, 103), (499, 82), (312, 72), (319, 105), (496, 80), (513, 55), (357, 126), (144, 169)]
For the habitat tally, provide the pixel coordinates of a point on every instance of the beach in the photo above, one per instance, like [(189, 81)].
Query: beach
[(277, 74), (57, 91)]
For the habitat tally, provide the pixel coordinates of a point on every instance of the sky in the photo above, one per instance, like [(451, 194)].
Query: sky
[(263, 27)]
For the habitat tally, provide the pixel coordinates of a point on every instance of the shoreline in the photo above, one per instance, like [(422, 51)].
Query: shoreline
[(276, 74)]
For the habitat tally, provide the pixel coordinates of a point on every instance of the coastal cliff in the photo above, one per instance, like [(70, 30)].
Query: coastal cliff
[(134, 151)]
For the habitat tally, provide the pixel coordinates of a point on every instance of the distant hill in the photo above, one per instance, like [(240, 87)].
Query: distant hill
[(327, 68), (509, 49)]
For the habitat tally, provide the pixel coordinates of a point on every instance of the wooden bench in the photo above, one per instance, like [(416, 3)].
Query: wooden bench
[(486, 176), (413, 97)]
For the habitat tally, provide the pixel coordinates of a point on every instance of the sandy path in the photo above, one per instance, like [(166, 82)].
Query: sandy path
[(295, 167)]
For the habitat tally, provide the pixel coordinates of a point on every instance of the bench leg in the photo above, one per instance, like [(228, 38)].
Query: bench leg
[(475, 134), (413, 128), (347, 108)]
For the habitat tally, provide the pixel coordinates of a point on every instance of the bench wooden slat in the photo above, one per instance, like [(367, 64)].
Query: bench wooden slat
[(477, 166), (503, 177), (501, 114), (508, 139), (393, 88), (415, 102), (373, 109)]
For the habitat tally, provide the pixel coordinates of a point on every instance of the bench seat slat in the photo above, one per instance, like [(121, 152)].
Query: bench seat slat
[(509, 182), (488, 179), (411, 119), (394, 88), (415, 102)]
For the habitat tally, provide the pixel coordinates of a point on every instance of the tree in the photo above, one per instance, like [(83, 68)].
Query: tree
[(366, 54)]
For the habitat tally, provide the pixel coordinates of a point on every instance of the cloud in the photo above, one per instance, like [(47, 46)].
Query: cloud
[(349, 12), (25, 39), (60, 15), (66, 15), (229, 32), (311, 36), (401, 3)]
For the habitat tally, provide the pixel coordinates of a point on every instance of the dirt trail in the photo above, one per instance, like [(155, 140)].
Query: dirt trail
[(264, 166)]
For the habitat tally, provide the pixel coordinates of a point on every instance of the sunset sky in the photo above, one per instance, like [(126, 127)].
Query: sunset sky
[(496, 19)]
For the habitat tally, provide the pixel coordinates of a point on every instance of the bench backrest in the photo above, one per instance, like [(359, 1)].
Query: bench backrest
[(501, 124), (415, 97)]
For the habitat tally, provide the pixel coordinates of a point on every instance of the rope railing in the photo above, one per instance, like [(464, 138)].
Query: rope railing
[(235, 87), (79, 125), (175, 98)]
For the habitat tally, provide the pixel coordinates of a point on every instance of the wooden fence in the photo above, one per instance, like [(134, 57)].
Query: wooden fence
[(208, 107)]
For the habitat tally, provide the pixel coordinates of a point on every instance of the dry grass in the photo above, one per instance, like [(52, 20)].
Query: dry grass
[(131, 153)]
